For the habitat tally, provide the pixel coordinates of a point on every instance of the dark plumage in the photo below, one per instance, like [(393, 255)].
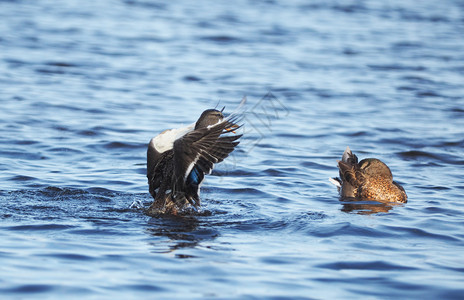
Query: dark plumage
[(178, 159), (370, 179)]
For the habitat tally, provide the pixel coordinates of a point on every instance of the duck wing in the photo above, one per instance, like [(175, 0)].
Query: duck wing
[(196, 153), (349, 169)]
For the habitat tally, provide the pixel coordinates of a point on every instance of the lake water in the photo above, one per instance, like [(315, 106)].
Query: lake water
[(86, 84)]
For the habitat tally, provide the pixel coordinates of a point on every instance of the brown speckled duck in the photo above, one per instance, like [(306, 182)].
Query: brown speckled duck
[(370, 179)]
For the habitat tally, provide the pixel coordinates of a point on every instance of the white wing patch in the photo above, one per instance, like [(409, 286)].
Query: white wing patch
[(211, 171), (165, 140), (190, 167), (335, 182)]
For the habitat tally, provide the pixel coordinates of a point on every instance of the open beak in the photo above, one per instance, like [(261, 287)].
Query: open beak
[(231, 128)]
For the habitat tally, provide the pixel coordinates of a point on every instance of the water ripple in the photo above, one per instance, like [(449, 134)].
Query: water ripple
[(371, 265), (80, 103)]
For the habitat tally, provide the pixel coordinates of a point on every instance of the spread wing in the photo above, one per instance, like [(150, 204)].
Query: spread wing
[(196, 153)]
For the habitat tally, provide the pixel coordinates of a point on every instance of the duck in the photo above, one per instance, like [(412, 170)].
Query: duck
[(369, 179), (178, 160)]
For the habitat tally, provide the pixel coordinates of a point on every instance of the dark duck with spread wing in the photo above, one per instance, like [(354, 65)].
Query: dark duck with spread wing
[(178, 159), (370, 179)]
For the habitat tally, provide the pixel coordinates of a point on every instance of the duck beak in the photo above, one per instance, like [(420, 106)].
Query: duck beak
[(231, 128)]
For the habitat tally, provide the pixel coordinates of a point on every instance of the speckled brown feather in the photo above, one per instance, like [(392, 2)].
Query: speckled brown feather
[(382, 190)]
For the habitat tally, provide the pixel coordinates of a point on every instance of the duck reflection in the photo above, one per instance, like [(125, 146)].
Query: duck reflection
[(353, 205), (173, 233)]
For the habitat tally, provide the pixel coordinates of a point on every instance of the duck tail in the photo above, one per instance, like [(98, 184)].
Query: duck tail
[(348, 157)]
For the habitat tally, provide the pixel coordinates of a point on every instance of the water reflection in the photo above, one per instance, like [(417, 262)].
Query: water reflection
[(352, 205), (178, 232)]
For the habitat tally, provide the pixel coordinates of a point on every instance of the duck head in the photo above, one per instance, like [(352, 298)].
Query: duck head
[(375, 167), (209, 117)]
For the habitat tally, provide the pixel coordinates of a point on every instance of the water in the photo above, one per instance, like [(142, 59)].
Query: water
[(84, 86)]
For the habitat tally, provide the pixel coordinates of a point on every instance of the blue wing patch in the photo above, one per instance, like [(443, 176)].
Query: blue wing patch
[(194, 176)]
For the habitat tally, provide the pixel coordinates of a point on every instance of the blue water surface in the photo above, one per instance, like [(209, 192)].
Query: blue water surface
[(86, 84)]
